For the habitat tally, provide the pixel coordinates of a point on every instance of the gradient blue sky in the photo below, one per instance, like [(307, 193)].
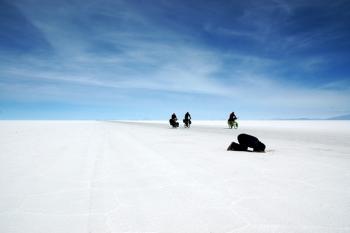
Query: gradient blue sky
[(128, 59)]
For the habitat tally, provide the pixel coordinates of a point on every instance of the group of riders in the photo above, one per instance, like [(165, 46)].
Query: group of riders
[(187, 120), (232, 123)]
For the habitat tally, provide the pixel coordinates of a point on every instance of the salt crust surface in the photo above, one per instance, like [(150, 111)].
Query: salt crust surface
[(110, 176)]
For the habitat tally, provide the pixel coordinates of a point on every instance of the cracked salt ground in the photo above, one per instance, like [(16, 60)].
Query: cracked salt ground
[(89, 176)]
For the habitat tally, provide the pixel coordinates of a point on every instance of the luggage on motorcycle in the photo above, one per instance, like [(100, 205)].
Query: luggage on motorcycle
[(187, 122), (173, 123), (232, 124)]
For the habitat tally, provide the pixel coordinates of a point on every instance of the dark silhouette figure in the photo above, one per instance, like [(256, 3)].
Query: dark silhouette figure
[(187, 120), (232, 121), (232, 116), (237, 147), (247, 141), (251, 141), (173, 121)]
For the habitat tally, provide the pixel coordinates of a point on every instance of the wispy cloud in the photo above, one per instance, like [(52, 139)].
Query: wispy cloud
[(106, 51)]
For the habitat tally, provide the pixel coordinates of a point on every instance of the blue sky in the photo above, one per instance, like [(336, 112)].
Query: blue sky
[(128, 59)]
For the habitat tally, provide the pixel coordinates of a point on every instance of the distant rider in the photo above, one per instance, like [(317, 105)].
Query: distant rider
[(187, 120), (232, 120), (173, 121)]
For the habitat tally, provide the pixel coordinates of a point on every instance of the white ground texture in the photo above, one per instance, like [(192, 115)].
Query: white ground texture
[(109, 176)]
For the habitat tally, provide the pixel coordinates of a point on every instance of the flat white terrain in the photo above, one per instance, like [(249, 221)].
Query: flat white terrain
[(107, 176)]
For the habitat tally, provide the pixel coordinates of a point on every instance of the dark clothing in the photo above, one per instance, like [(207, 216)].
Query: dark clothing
[(232, 121), (246, 141), (232, 117), (237, 147), (187, 122), (251, 141), (173, 121), (187, 119), (187, 116)]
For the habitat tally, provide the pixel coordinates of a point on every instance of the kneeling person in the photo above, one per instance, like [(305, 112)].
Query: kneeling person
[(247, 141)]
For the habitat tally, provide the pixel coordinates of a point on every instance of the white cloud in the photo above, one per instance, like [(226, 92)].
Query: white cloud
[(154, 58)]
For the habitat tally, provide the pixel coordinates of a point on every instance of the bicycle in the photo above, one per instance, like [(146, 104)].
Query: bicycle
[(232, 124)]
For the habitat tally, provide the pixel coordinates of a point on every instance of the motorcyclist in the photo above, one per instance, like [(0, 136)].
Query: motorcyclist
[(232, 120), (173, 121), (187, 120)]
